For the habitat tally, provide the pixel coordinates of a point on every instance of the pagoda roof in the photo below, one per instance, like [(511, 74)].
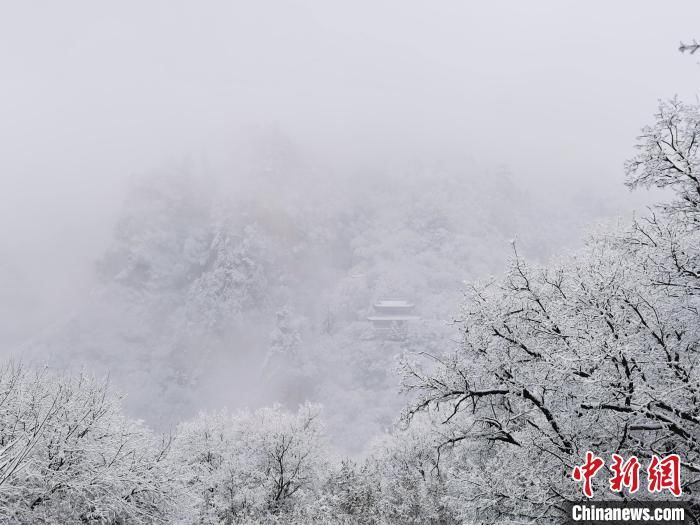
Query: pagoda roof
[(393, 303), (393, 318)]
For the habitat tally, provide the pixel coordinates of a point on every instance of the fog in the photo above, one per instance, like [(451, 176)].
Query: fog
[(325, 105)]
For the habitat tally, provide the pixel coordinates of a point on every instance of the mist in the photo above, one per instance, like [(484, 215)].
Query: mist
[(326, 118)]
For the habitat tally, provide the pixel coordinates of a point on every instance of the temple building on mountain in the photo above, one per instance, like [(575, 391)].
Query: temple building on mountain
[(391, 318)]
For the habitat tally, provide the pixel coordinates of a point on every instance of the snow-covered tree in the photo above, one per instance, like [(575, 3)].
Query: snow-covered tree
[(598, 351), (251, 467), (68, 455)]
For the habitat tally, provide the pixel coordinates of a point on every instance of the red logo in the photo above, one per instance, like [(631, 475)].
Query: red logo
[(626, 474), (586, 472), (663, 474)]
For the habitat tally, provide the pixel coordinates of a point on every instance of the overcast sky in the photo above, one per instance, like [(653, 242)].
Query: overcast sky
[(94, 92)]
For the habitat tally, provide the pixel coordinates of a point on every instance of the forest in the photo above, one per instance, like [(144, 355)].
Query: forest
[(595, 350), (346, 265)]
